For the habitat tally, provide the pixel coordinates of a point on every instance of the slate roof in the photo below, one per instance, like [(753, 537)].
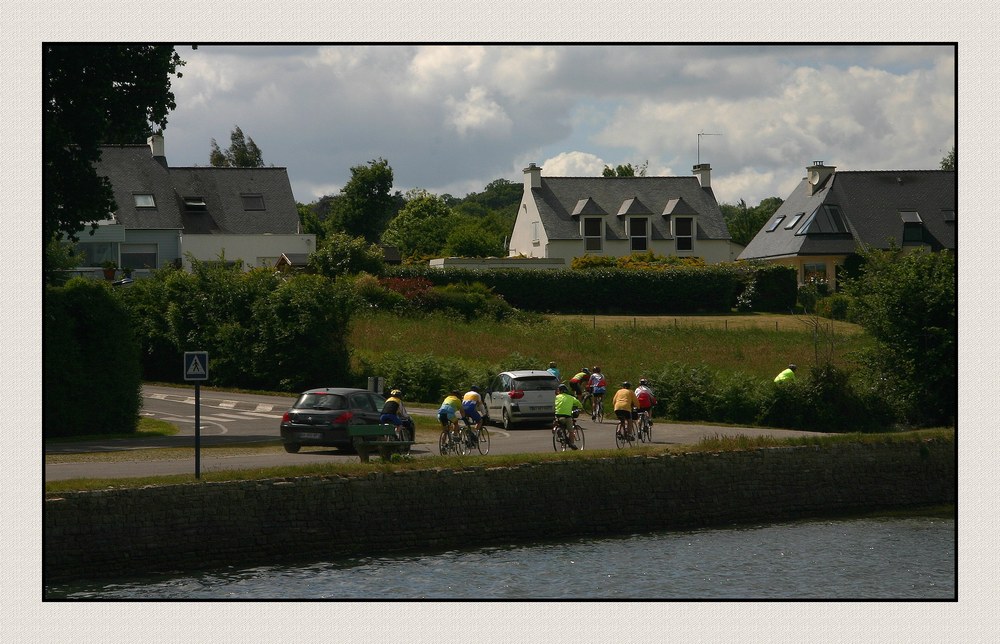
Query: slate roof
[(562, 201), (870, 203), (132, 169)]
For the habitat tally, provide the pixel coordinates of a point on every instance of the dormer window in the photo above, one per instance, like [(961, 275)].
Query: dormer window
[(638, 234), (684, 233), (195, 204), (913, 226), (144, 200), (592, 238)]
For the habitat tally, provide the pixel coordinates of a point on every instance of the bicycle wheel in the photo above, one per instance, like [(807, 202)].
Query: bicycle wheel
[(444, 442), (644, 429), (459, 444), (620, 434), (558, 442), (580, 440), (484, 441), (600, 411), (588, 404)]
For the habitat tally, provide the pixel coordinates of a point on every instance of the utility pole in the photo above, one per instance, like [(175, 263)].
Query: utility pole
[(701, 134)]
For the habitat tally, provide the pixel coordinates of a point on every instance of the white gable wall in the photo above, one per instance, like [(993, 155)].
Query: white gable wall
[(528, 237)]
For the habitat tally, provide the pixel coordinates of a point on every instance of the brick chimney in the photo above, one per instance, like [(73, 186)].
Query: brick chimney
[(704, 173), (817, 174), (532, 177)]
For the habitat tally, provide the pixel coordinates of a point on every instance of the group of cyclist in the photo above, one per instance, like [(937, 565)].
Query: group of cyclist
[(628, 403), (469, 408)]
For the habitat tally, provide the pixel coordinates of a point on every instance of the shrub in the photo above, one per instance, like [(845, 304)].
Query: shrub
[(90, 363), (342, 254), (835, 307)]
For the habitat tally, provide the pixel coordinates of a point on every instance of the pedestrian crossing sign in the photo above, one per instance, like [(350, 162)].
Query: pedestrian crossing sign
[(196, 365)]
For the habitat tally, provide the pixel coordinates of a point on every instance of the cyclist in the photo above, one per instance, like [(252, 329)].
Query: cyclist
[(451, 410), (625, 404), (597, 386), (472, 402), (576, 382), (565, 404), (553, 370), (788, 375), (644, 394), (394, 412)]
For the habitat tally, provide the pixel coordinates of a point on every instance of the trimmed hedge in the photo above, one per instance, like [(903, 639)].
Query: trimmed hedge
[(90, 362), (671, 290)]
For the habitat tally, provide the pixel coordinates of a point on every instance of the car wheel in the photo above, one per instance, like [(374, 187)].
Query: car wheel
[(507, 424), (292, 448)]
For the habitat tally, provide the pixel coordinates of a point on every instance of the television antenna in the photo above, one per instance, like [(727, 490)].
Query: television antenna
[(701, 134)]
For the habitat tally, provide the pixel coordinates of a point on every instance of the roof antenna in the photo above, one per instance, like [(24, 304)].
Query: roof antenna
[(701, 134)]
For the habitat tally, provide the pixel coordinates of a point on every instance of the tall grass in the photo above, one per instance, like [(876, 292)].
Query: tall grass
[(623, 350)]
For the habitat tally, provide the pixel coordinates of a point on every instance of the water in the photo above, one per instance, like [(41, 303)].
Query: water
[(909, 557)]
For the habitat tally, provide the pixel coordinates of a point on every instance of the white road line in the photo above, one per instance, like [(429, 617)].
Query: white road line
[(255, 414), (228, 404), (264, 407), (226, 416)]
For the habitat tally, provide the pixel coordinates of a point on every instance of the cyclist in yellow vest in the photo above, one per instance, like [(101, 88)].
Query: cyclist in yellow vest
[(565, 404), (788, 375)]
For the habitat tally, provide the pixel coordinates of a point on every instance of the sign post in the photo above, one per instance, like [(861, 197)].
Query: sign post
[(196, 369)]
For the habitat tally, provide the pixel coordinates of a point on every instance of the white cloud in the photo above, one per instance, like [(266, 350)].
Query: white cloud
[(478, 113), (574, 164)]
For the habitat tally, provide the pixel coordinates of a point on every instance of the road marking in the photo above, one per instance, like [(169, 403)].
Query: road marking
[(228, 404)]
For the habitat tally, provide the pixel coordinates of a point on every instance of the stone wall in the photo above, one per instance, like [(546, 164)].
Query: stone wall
[(104, 534)]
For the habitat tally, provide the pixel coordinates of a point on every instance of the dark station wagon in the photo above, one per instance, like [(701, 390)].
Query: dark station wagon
[(320, 417)]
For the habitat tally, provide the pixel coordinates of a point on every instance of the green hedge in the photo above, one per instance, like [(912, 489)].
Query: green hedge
[(90, 362)]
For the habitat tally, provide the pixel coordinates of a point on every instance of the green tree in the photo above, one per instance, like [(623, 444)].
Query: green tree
[(421, 228), (341, 254), (949, 160), (744, 222), (92, 95), (241, 153), (367, 204), (469, 239), (907, 303), (626, 170)]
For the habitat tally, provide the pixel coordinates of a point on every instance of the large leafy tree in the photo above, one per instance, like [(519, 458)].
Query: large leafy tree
[(626, 170), (907, 303), (949, 160), (367, 203), (241, 153), (421, 227), (93, 95), (745, 222)]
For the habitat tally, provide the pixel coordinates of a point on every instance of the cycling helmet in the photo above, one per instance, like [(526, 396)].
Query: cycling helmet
[(552, 364), (395, 392), (455, 392), (626, 385), (597, 369), (563, 388), (792, 367), (585, 370), (642, 381), (474, 388)]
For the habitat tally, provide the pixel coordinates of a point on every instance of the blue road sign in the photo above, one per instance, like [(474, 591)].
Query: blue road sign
[(196, 365)]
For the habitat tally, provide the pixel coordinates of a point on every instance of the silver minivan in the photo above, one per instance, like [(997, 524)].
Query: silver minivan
[(521, 397)]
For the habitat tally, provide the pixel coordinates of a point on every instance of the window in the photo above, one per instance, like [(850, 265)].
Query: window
[(592, 234), (814, 273), (913, 226), (96, 253), (949, 215), (195, 204), (777, 222), (638, 233), (252, 201), (139, 256), (144, 201), (534, 231), (826, 219), (795, 220), (684, 233)]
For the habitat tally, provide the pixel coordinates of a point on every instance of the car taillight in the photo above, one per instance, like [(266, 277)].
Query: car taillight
[(285, 418), (342, 419), (517, 393)]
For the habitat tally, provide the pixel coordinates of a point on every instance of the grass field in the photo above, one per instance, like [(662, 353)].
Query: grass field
[(624, 346)]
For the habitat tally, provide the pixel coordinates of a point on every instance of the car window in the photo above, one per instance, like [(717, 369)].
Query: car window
[(320, 401), (377, 400), (505, 382), (362, 401), (533, 383)]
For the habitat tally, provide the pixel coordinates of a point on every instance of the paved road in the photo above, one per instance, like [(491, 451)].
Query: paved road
[(246, 418)]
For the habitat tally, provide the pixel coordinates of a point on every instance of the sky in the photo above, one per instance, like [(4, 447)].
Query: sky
[(451, 119)]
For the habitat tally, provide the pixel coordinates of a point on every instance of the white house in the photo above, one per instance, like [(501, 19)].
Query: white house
[(566, 217)]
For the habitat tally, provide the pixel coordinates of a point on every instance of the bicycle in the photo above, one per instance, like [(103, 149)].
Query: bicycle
[(453, 439), (645, 427), (598, 413), (478, 438), (560, 441), (623, 435)]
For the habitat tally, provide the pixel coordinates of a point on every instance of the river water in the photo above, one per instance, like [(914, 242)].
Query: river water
[(897, 557)]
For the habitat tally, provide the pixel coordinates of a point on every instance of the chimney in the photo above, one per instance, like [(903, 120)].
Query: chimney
[(532, 177), (817, 174), (704, 173), (155, 143)]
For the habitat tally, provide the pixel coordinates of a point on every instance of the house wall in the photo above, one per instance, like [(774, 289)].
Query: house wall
[(522, 239), (799, 262), (168, 247), (249, 248), (498, 262)]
